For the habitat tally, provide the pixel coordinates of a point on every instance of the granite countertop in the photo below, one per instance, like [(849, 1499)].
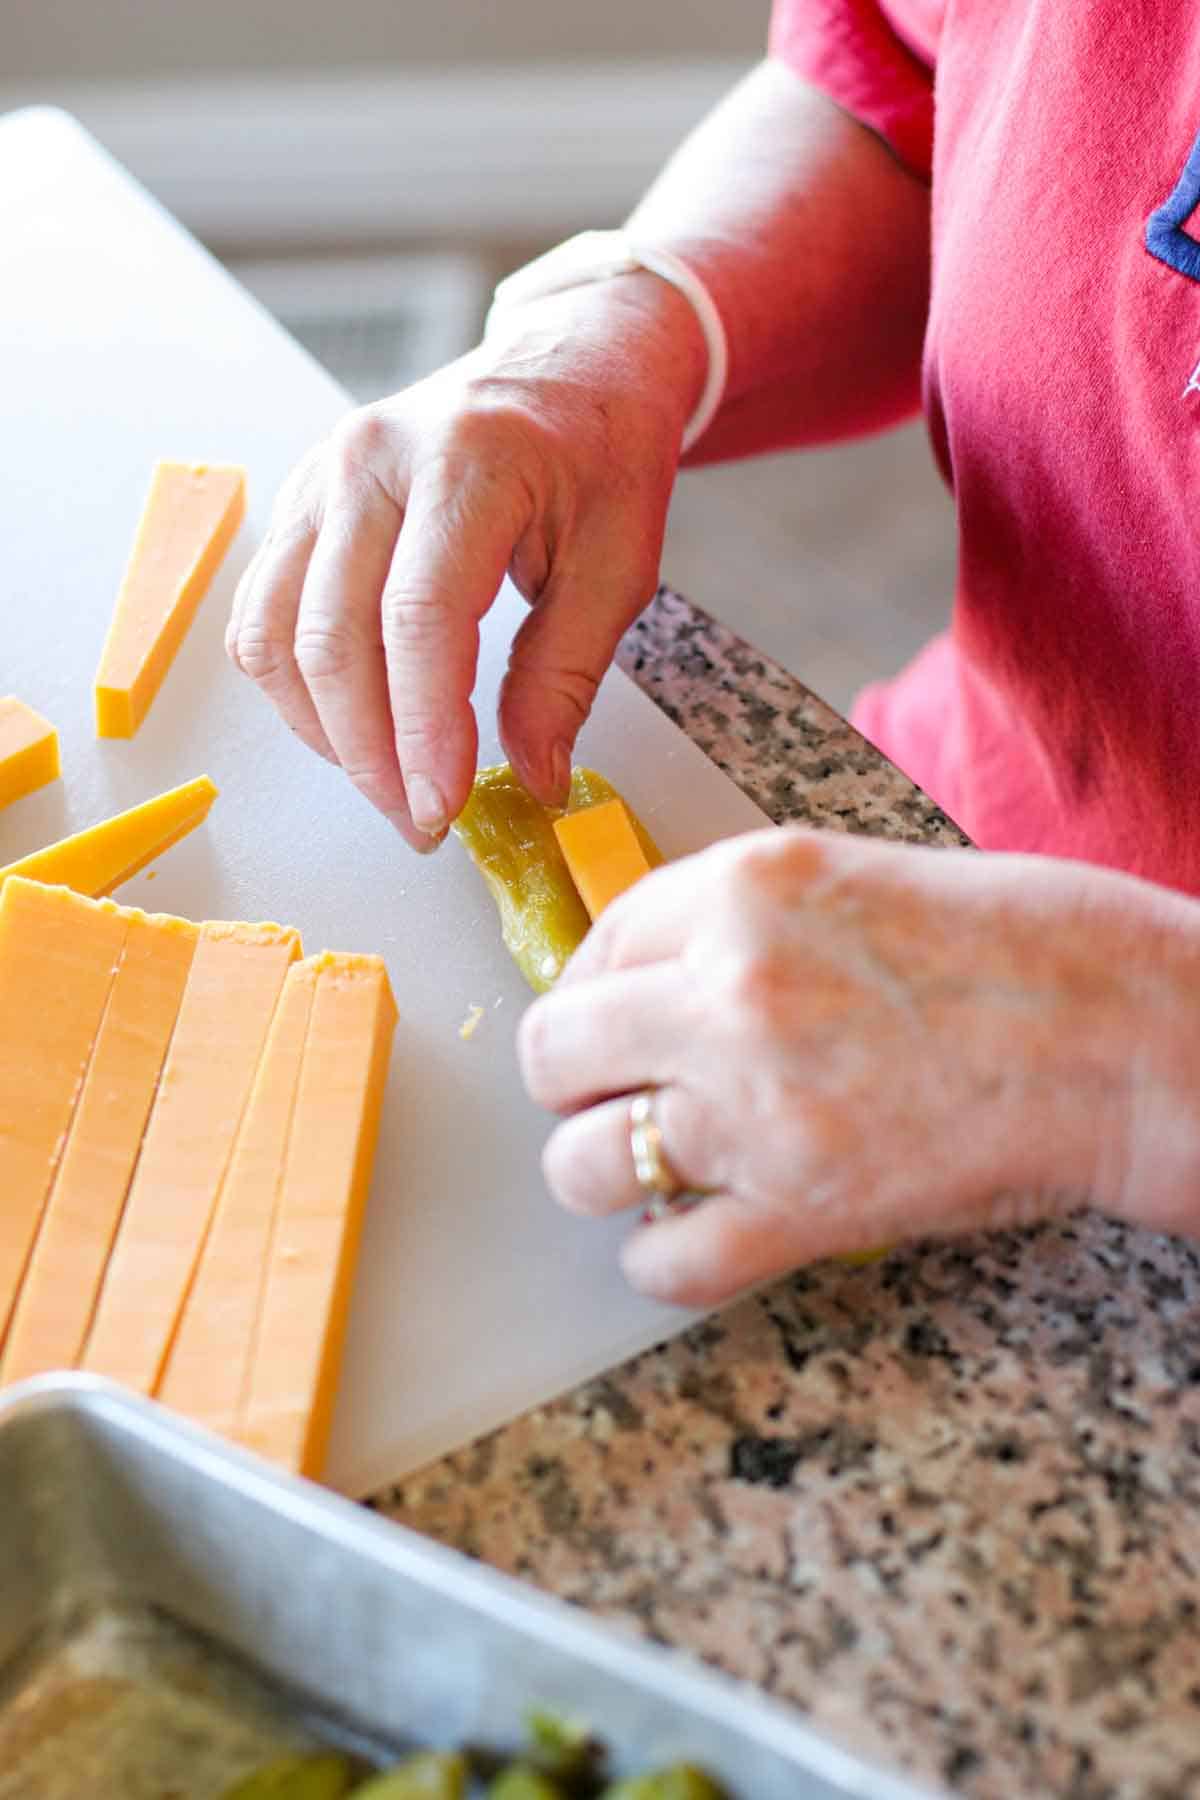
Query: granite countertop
[(947, 1504)]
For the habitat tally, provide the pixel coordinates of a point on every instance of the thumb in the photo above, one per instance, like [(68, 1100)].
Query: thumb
[(560, 656)]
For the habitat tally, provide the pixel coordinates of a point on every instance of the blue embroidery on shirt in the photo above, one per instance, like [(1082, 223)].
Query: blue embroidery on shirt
[(1165, 236)]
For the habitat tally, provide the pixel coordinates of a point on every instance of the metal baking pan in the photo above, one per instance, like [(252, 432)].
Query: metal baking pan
[(110, 1504)]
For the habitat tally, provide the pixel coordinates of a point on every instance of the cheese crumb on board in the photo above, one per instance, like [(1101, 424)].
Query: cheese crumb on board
[(28, 750), (470, 1024), (190, 517), (95, 861)]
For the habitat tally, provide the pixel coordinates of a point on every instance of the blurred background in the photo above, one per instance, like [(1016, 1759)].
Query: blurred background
[(370, 168)]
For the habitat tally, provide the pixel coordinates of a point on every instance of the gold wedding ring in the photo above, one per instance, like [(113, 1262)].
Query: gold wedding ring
[(651, 1165)]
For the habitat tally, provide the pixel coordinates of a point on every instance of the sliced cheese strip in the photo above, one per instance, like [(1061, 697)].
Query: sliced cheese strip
[(84, 1207), (293, 1378), (208, 1366), (58, 957), (191, 514), (28, 750), (602, 852), (232, 989), (99, 859)]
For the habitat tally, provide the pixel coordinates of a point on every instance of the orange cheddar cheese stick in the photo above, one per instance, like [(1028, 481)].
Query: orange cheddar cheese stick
[(232, 989), (189, 520), (99, 859), (602, 853), (58, 958), (208, 1365), (288, 1404), (84, 1206), (28, 750)]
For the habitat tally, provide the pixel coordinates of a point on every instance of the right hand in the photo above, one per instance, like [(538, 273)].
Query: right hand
[(547, 453)]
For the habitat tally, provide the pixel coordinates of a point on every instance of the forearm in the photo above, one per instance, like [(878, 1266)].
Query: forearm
[(814, 242)]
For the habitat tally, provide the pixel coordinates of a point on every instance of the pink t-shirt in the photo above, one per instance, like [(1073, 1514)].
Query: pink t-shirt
[(1061, 710)]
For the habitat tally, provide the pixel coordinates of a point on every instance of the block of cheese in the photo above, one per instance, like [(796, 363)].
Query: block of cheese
[(208, 1365), (58, 958), (28, 750), (293, 1377), (86, 1199), (189, 520), (233, 986), (602, 852), (99, 859)]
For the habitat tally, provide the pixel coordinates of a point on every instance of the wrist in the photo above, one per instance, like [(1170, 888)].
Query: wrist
[(659, 287), (632, 330), (1148, 1145)]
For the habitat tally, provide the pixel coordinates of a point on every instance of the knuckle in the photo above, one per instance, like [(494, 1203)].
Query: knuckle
[(257, 654), (324, 651), (752, 988), (416, 616), (375, 777), (359, 439), (575, 687)]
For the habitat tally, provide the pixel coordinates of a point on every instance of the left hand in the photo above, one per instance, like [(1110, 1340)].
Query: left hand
[(855, 1043)]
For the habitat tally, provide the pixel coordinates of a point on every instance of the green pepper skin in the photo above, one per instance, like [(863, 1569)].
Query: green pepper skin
[(430, 1775), (680, 1782), (510, 837), (324, 1775), (520, 1782)]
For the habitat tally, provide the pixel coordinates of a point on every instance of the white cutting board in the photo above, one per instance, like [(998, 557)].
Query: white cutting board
[(121, 341)]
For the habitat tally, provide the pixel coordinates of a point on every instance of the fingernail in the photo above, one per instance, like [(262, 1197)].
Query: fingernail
[(560, 769), (426, 807)]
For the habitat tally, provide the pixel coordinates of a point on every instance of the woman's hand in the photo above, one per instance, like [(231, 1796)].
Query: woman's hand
[(548, 453), (855, 1043)]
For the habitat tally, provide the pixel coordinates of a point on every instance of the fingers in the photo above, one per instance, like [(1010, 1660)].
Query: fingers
[(462, 521), (630, 1030), (563, 649), (704, 1257), (588, 1159), (260, 638), (339, 641)]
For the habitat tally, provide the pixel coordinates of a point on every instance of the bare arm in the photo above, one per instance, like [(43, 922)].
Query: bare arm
[(814, 241)]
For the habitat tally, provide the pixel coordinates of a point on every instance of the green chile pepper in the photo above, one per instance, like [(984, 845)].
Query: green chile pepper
[(323, 1775), (680, 1782), (520, 1782), (429, 1775), (510, 838)]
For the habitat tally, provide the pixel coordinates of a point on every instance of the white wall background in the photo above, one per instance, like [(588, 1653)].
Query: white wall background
[(45, 41), (293, 124)]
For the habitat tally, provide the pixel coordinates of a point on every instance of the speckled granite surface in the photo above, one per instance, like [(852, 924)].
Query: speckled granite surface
[(949, 1504)]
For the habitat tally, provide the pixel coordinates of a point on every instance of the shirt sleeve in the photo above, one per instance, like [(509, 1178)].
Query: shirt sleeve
[(848, 50)]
